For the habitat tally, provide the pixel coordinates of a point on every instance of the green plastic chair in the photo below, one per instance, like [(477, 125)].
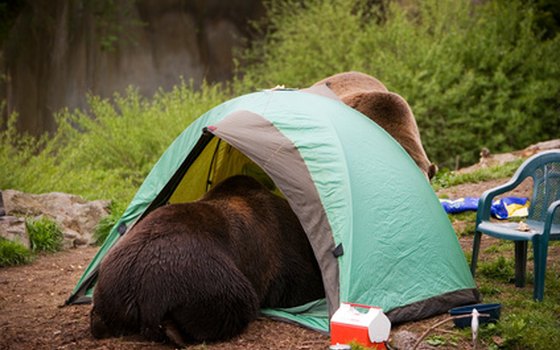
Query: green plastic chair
[(543, 220)]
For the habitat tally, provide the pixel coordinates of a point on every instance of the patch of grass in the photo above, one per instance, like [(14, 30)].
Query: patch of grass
[(12, 253), (45, 235), (489, 289), (468, 256), (442, 340), (103, 228), (446, 178), (524, 323), (469, 216), (463, 223), (534, 326), (500, 247), (501, 269)]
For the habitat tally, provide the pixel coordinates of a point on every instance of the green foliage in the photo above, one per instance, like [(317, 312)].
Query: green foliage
[(489, 289), (439, 340), (474, 74), (113, 21), (524, 323), (547, 14), (104, 226), (499, 269), (44, 234), (12, 253), (21, 158), (536, 326), (469, 216), (106, 151), (499, 247)]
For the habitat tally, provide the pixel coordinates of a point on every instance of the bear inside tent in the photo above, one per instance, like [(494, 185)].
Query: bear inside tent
[(377, 229)]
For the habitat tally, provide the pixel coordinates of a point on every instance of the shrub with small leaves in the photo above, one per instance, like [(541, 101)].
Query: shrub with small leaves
[(476, 73), (103, 228), (12, 253), (106, 150), (45, 235)]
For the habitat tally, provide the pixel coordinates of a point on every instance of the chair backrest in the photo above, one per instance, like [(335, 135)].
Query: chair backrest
[(544, 168)]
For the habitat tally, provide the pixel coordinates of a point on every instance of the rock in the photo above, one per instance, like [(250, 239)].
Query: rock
[(488, 159), (75, 216), (407, 340), (2, 211), (79, 242), (540, 147), (154, 45), (14, 229)]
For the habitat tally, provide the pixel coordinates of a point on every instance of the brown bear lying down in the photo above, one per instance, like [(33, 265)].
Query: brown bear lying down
[(200, 271), (389, 110)]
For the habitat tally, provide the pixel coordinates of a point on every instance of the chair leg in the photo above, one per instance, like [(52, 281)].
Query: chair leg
[(520, 263), (540, 251), (476, 248)]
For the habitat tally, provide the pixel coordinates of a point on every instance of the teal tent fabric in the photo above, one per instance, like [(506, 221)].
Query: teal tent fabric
[(377, 228)]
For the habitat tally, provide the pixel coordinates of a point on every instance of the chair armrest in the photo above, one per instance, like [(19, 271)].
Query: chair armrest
[(485, 201), (549, 216)]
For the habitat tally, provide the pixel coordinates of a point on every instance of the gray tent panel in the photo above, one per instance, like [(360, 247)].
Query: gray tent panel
[(278, 156)]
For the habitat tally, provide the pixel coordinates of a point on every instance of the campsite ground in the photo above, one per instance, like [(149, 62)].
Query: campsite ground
[(31, 316)]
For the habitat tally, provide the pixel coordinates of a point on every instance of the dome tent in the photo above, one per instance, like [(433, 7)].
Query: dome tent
[(377, 229)]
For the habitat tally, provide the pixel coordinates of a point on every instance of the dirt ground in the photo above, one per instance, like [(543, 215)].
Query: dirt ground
[(31, 316)]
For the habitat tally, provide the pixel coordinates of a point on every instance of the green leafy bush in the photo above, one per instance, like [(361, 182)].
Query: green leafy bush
[(475, 73), (23, 162), (105, 151), (45, 235), (12, 253), (104, 226)]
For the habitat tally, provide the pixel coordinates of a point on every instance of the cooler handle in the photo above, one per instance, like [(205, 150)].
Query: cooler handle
[(361, 305)]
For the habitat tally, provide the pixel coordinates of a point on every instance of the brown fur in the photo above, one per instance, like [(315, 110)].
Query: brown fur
[(200, 271), (369, 96)]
